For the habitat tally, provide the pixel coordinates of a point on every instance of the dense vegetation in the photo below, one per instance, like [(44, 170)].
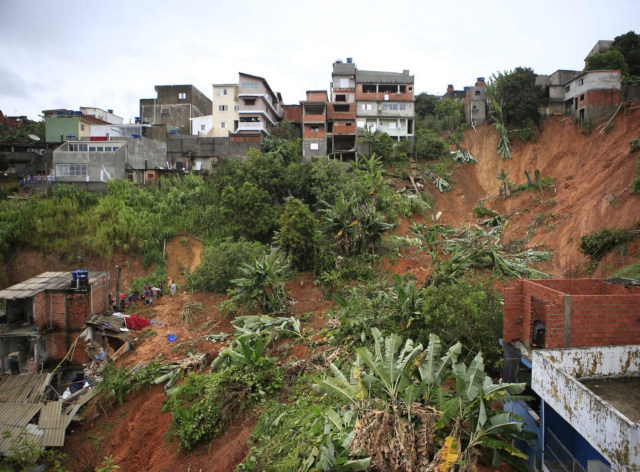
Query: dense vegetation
[(264, 218)]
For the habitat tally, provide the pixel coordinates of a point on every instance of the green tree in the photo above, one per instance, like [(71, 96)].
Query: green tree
[(611, 60), (286, 130), (221, 264), (298, 233), (248, 212), (429, 145), (425, 105), (629, 45), (407, 420), (519, 94), (380, 143)]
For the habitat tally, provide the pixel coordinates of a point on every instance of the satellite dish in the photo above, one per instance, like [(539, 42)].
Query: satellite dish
[(34, 137)]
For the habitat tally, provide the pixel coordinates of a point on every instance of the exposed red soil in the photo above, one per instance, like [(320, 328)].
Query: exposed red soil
[(592, 177), (183, 252)]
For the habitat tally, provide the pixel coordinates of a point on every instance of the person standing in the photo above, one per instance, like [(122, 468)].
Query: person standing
[(174, 289)]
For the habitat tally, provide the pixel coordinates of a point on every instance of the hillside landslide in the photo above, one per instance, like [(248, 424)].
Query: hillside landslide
[(592, 173)]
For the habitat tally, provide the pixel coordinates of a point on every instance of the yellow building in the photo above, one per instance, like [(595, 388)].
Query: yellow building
[(225, 110)]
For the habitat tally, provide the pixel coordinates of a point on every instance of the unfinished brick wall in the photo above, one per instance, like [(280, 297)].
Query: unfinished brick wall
[(576, 312), (40, 311), (603, 320)]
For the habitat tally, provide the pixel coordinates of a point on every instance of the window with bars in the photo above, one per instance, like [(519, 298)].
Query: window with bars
[(71, 170)]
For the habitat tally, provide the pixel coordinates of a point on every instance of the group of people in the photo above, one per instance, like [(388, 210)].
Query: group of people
[(148, 295), (37, 179)]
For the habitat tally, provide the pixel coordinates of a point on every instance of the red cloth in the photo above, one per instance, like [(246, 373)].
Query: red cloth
[(135, 322)]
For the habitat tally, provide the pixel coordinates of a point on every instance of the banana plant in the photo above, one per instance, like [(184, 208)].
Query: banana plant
[(244, 354)]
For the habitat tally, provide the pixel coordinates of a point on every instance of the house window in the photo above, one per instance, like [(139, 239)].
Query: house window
[(223, 107), (341, 98), (367, 106), (203, 127), (92, 149), (100, 149), (313, 146), (236, 107), (249, 101), (348, 124), (344, 83), (71, 170), (77, 147), (224, 91), (392, 125), (389, 106), (81, 127), (315, 129), (223, 124), (182, 96), (567, 88), (165, 111), (477, 92), (403, 106), (582, 97), (581, 82), (249, 85)]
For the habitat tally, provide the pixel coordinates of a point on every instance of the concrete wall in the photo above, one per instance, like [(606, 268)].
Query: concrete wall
[(554, 378), (194, 104), (102, 166)]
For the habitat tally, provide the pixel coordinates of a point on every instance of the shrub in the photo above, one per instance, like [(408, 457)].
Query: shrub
[(298, 233), (221, 264), (481, 211), (429, 145), (205, 405), (634, 145), (598, 244)]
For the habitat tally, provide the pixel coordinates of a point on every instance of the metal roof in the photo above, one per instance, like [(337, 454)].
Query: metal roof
[(53, 424), (42, 282), (106, 322), (26, 388)]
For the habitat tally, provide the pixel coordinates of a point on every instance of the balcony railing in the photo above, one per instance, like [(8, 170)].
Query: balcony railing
[(557, 457), (253, 126)]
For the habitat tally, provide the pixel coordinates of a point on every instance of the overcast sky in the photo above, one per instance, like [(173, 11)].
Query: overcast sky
[(67, 54)]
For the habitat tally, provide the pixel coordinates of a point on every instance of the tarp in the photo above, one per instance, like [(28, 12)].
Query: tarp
[(135, 322)]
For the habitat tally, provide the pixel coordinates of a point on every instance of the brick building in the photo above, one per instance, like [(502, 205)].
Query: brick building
[(576, 343), (44, 316)]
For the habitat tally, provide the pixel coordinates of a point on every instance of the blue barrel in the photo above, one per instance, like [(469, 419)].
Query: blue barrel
[(80, 275)]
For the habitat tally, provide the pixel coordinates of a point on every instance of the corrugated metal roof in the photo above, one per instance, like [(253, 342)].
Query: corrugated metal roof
[(110, 322), (53, 423), (26, 388), (44, 281), (18, 414)]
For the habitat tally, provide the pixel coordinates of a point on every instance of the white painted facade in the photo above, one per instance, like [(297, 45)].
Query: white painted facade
[(201, 126), (593, 80), (555, 375)]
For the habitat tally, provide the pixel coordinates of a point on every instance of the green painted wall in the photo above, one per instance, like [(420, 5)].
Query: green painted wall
[(58, 125)]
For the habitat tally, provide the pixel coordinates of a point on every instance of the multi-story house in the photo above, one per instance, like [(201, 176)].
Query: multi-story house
[(174, 106), (384, 101), (62, 125), (259, 107), (314, 123), (226, 116), (341, 111)]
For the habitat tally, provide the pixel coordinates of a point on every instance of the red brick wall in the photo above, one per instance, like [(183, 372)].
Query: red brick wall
[(317, 96), (100, 303), (40, 311), (314, 118), (78, 308), (601, 314), (605, 320), (601, 97)]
